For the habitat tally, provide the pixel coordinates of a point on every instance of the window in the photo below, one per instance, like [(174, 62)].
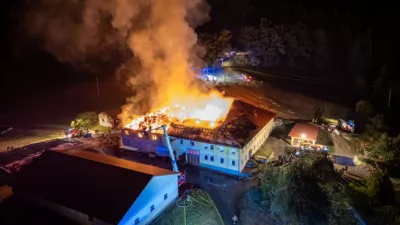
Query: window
[(233, 151), (212, 158), (152, 208), (205, 147), (212, 147), (221, 149), (233, 162), (137, 221), (222, 160), (192, 143), (126, 132), (165, 196), (205, 157), (181, 142)]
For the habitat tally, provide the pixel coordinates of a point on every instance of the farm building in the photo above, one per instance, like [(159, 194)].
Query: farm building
[(303, 134), (226, 148), (108, 118), (90, 188)]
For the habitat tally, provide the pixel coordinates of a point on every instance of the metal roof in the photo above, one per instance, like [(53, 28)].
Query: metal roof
[(99, 186)]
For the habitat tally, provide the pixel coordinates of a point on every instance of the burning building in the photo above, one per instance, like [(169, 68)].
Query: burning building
[(224, 144)]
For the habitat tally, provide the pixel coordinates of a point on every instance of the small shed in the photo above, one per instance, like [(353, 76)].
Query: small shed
[(303, 134), (90, 188)]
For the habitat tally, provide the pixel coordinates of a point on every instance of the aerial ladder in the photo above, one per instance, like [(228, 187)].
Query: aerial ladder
[(171, 152), (181, 177)]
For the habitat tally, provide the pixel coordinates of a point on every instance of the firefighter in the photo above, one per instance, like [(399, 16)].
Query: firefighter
[(234, 219)]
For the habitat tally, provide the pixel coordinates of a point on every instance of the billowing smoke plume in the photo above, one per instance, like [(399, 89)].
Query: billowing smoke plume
[(159, 33)]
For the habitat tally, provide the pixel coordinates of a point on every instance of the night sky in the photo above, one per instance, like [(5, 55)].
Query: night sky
[(27, 69)]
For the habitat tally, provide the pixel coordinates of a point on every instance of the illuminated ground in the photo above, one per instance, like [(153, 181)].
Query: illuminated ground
[(288, 99), (199, 211), (21, 136)]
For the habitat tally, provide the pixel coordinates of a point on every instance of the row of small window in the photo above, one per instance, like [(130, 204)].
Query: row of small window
[(206, 147), (256, 144), (152, 208), (221, 160), (221, 149), (138, 143)]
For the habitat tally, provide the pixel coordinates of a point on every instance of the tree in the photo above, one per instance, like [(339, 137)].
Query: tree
[(364, 107), (85, 120), (265, 44), (374, 129), (386, 148), (378, 199), (278, 44), (215, 45), (380, 188), (306, 192)]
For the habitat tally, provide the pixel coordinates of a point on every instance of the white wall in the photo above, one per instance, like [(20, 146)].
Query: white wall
[(153, 194), (105, 120), (227, 153), (255, 143), (240, 156)]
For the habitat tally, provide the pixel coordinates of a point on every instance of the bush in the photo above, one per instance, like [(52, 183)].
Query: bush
[(85, 120), (306, 192)]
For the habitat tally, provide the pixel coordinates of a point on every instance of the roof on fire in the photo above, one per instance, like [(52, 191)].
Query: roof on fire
[(86, 182), (241, 124)]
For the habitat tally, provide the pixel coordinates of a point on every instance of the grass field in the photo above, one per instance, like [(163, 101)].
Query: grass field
[(199, 211), (21, 136)]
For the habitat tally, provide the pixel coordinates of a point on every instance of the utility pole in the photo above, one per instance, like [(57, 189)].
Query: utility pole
[(390, 95), (97, 84)]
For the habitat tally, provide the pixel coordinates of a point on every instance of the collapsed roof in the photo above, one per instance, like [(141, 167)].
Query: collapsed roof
[(241, 124)]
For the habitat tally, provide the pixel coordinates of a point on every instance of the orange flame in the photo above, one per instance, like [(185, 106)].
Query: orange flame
[(206, 111)]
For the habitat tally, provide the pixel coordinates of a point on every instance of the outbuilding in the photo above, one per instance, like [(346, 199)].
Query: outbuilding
[(90, 188), (303, 134), (108, 118)]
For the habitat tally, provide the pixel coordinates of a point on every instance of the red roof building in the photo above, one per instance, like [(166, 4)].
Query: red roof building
[(304, 134)]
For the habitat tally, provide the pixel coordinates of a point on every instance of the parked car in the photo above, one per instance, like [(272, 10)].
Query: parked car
[(71, 133), (261, 159), (251, 164)]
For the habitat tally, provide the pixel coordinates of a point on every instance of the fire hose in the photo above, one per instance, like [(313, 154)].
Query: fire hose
[(208, 203)]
